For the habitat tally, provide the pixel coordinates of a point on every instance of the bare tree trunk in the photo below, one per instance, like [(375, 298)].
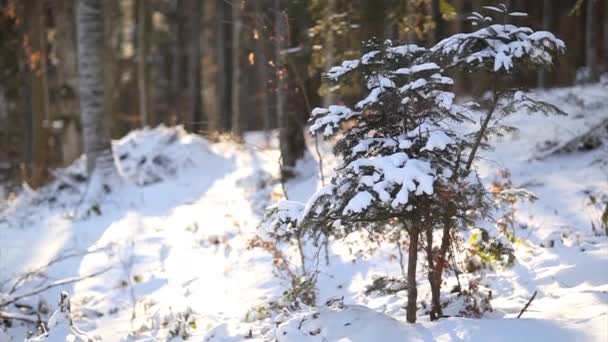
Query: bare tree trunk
[(67, 74), (330, 52), (37, 172), (411, 20), (606, 36), (434, 280), (94, 117), (212, 68), (261, 67), (412, 261), (547, 13), (193, 74), (280, 30), (142, 52), (111, 32), (437, 33), (591, 41), (291, 126), (237, 56)]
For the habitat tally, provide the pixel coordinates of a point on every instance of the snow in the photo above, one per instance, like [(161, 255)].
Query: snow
[(404, 50), (359, 203), (417, 68), (329, 119), (437, 140), (410, 175), (183, 242), (338, 71), (521, 41)]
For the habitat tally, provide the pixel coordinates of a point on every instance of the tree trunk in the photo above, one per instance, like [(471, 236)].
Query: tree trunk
[(606, 36), (412, 261), (67, 75), (291, 135), (94, 117), (411, 21), (547, 13), (330, 52), (591, 42), (434, 280), (212, 68), (142, 53), (111, 32), (237, 56), (280, 31), (437, 33), (37, 172), (192, 102), (261, 68)]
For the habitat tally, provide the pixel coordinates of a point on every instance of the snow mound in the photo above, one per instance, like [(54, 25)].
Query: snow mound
[(351, 323), (149, 156)]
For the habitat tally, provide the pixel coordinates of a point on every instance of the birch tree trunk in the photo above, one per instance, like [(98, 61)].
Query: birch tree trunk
[(97, 142), (37, 172), (237, 55)]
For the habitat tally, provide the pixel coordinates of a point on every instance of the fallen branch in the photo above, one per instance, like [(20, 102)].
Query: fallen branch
[(61, 282), (527, 304), (39, 270), (19, 317)]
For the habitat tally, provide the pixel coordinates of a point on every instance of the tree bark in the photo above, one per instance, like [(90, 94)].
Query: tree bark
[(547, 14), (606, 36), (35, 41), (192, 98), (591, 42), (237, 56), (280, 30), (212, 68), (142, 52), (291, 130), (412, 261), (111, 32), (94, 117), (437, 33), (261, 68), (434, 280), (330, 52), (67, 75)]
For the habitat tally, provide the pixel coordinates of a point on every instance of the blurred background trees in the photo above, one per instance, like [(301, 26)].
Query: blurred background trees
[(223, 67)]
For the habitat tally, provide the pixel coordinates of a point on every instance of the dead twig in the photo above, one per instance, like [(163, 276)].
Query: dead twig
[(19, 317), (49, 286), (527, 304)]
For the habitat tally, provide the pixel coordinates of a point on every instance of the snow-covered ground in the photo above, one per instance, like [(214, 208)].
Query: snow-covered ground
[(176, 240)]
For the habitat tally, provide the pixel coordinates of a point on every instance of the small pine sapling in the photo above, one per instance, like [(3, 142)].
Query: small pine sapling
[(406, 157)]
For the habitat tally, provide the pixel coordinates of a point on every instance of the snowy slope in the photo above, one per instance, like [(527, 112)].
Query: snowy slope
[(177, 235)]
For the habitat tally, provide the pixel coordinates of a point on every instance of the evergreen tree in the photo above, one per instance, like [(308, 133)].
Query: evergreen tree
[(406, 155)]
